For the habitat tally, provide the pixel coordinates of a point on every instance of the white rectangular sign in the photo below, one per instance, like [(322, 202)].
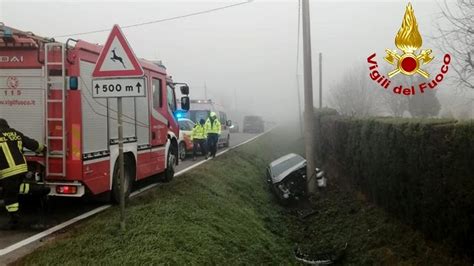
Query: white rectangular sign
[(118, 87)]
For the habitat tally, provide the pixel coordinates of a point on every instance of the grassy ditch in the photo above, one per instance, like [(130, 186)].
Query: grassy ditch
[(219, 213), (222, 213)]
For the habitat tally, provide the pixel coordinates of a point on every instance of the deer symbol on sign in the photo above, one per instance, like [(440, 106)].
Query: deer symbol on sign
[(116, 57)]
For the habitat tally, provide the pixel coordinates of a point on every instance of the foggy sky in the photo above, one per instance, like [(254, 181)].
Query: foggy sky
[(248, 51)]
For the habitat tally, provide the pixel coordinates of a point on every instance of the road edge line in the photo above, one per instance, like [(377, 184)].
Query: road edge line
[(51, 230), (83, 216)]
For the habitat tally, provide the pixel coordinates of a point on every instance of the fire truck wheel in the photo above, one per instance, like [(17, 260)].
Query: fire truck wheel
[(182, 151), (115, 195), (170, 167)]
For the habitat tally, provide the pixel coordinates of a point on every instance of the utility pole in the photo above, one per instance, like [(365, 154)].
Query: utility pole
[(308, 101), (320, 80), (298, 91), (299, 103), (205, 91)]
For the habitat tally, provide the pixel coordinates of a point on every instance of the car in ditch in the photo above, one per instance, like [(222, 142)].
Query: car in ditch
[(287, 177)]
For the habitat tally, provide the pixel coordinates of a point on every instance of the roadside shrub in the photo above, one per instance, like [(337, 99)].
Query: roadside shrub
[(421, 171)]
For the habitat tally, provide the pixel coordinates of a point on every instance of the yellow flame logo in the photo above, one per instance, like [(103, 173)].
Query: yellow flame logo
[(408, 40)]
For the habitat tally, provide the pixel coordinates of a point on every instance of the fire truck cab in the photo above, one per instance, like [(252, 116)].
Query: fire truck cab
[(46, 93)]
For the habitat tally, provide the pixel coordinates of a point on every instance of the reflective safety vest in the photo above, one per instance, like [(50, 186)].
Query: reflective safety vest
[(199, 132), (24, 188), (12, 161), (214, 126)]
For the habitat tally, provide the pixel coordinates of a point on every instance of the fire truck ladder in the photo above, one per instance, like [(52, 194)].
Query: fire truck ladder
[(55, 83)]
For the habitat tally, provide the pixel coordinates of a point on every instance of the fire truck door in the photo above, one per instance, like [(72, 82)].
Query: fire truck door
[(159, 124)]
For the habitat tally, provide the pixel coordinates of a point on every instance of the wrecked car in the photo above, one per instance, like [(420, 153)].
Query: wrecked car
[(287, 177)]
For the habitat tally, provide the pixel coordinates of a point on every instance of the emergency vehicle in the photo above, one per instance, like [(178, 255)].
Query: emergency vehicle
[(202, 108), (46, 93)]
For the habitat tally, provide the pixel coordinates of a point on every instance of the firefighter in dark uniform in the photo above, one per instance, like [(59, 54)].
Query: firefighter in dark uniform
[(13, 167)]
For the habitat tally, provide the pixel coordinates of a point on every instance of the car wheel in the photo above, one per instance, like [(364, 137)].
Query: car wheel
[(182, 151)]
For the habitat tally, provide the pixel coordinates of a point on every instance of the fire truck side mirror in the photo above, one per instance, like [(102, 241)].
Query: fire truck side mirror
[(185, 103), (184, 89)]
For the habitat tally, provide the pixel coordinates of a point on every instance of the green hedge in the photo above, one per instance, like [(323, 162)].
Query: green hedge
[(421, 171)]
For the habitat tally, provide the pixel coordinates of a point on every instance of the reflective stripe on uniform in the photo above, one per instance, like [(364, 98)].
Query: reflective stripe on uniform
[(12, 207), (199, 132), (18, 169), (213, 127), (24, 188), (20, 145), (8, 154), (40, 148)]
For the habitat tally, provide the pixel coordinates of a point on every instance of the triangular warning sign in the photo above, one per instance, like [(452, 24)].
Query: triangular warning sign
[(117, 58)]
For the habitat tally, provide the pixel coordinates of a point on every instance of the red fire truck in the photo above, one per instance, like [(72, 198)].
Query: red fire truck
[(46, 93)]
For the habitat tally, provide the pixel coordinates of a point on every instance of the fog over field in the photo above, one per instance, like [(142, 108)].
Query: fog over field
[(245, 56)]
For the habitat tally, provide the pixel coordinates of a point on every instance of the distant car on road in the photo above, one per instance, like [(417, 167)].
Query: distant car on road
[(185, 144), (253, 124)]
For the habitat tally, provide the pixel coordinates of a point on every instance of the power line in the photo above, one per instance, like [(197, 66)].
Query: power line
[(159, 20)]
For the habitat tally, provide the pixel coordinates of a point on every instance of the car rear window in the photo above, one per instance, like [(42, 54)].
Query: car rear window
[(285, 165)]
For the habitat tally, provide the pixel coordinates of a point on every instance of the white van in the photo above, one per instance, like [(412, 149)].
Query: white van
[(202, 109)]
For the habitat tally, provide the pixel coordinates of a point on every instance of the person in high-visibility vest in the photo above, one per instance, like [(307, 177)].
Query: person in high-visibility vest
[(13, 168), (199, 136), (213, 129)]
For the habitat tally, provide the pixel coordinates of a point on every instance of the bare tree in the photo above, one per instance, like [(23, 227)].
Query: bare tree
[(457, 39), (424, 105), (356, 94), (395, 104)]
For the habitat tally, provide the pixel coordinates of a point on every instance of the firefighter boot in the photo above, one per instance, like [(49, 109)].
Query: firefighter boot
[(41, 191), (13, 222)]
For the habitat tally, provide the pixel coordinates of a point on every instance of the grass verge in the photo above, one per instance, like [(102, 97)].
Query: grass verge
[(219, 213), (222, 213)]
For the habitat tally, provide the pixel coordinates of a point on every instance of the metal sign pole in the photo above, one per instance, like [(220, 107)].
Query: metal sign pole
[(117, 74), (121, 163)]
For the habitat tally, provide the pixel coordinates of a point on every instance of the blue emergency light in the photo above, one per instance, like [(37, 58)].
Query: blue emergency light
[(179, 115)]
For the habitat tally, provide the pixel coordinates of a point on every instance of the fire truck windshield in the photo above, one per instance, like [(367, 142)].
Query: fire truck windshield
[(171, 98)]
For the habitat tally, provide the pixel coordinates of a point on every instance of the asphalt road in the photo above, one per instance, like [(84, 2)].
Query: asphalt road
[(60, 210)]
